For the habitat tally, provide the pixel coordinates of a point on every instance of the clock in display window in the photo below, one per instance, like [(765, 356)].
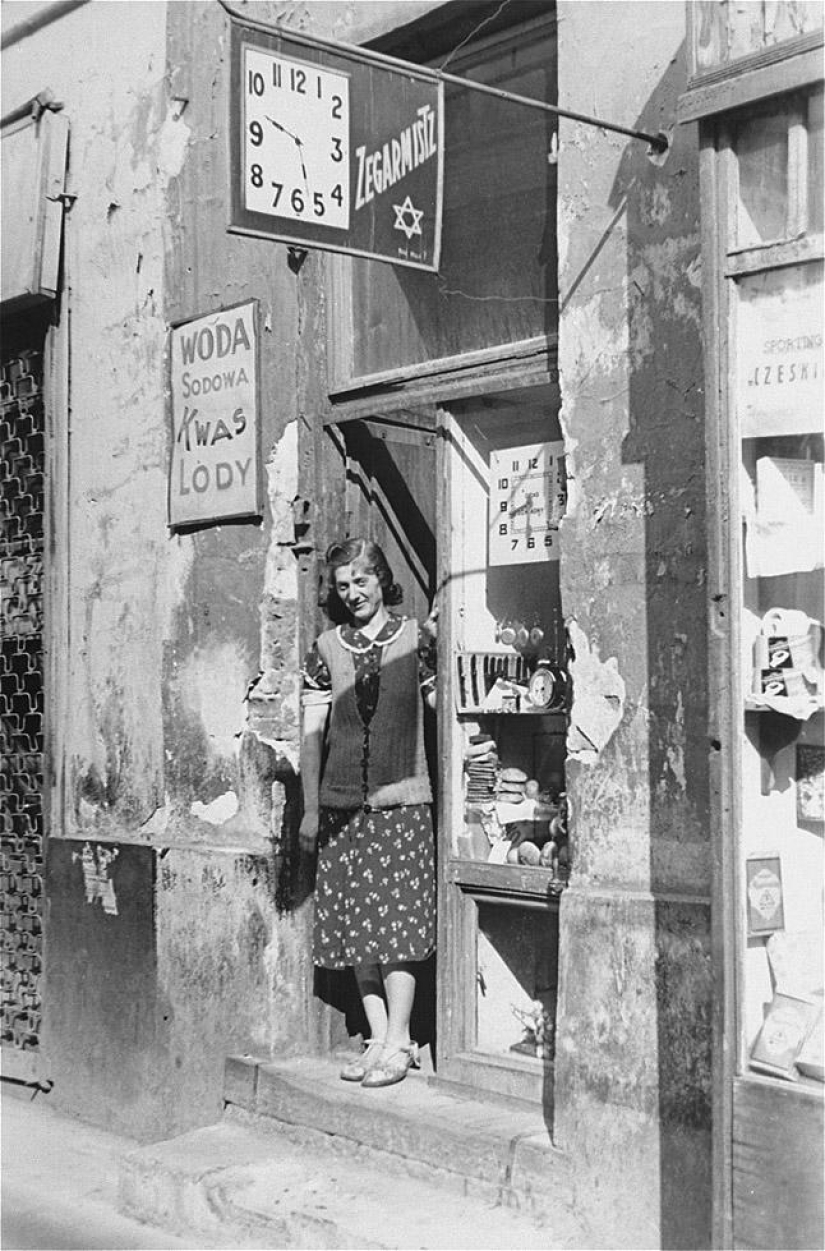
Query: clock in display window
[(295, 140), (528, 494)]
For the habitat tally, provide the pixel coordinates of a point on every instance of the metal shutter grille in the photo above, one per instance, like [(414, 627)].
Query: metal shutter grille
[(21, 697)]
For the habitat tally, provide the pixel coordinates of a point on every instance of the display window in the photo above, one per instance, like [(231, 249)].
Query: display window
[(777, 401), (507, 694), (509, 675), (755, 88), (517, 967)]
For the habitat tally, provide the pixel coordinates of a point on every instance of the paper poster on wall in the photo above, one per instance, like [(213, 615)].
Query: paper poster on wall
[(766, 911), (778, 371), (786, 528), (788, 1023), (214, 468)]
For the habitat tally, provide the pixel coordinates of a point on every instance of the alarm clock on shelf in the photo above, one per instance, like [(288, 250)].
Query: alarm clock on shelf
[(547, 687)]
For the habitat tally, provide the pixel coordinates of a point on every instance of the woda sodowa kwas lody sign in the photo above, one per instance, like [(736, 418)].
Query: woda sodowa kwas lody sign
[(214, 468), (332, 150)]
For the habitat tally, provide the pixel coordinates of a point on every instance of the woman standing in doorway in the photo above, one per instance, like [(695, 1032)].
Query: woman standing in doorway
[(367, 801)]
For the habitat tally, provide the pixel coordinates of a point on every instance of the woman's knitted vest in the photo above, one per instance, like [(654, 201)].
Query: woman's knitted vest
[(384, 764)]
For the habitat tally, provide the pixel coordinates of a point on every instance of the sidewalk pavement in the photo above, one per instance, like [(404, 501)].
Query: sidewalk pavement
[(59, 1183)]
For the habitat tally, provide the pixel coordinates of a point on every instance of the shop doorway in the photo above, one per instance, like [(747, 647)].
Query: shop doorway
[(433, 381), (423, 491), (390, 479), (390, 497)]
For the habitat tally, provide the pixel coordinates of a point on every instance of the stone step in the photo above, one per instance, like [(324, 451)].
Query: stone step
[(302, 1159), (241, 1185), (497, 1148)]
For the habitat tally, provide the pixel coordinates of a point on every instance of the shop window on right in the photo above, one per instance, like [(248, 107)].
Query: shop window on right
[(779, 402)]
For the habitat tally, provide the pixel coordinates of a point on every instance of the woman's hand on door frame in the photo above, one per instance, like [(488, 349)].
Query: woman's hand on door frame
[(308, 832)]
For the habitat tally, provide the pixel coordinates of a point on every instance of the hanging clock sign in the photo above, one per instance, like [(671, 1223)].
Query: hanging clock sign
[(528, 494), (330, 149)]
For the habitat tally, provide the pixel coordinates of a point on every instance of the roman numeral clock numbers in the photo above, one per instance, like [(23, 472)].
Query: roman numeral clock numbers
[(295, 142)]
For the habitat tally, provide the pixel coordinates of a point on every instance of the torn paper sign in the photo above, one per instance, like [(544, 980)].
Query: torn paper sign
[(786, 527), (599, 699)]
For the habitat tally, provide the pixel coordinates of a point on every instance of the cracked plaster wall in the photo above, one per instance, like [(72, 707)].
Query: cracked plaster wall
[(124, 147), (167, 781), (176, 707), (632, 1072), (631, 365)]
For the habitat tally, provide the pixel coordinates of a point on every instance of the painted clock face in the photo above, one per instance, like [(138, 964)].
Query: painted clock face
[(295, 140)]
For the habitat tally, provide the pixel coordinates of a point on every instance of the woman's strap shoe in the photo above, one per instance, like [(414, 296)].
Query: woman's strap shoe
[(357, 1070), (392, 1065)]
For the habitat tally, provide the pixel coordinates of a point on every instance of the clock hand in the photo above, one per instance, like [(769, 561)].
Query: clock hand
[(303, 166), (299, 143), (282, 129)]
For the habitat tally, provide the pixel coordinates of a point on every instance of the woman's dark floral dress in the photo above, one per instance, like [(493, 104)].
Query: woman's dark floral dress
[(375, 883)]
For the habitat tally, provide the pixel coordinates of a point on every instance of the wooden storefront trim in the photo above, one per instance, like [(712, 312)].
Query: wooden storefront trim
[(532, 363), (785, 67)]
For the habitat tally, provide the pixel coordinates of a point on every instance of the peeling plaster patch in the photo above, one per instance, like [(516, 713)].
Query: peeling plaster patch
[(675, 753), (600, 335), (273, 961), (598, 699), (658, 279), (172, 143), (281, 583), (273, 692), (655, 206), (99, 886), (276, 695), (87, 813), (207, 682), (693, 273), (624, 506), (282, 482), (176, 572), (158, 823), (686, 310), (285, 750), (220, 810), (281, 576)]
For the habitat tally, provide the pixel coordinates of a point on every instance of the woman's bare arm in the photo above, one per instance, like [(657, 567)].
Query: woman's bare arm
[(312, 747)]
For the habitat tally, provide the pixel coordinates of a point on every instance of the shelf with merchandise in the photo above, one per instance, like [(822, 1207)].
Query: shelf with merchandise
[(509, 683)]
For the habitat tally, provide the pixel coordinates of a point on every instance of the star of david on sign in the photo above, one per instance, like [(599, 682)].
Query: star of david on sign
[(411, 226)]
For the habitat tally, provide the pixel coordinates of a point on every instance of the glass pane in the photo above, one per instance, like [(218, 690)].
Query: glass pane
[(517, 979), (509, 678), (762, 152), (779, 342), (816, 172), (498, 260), (725, 32)]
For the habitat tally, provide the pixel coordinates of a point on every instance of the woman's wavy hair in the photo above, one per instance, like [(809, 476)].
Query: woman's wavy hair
[(370, 555)]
